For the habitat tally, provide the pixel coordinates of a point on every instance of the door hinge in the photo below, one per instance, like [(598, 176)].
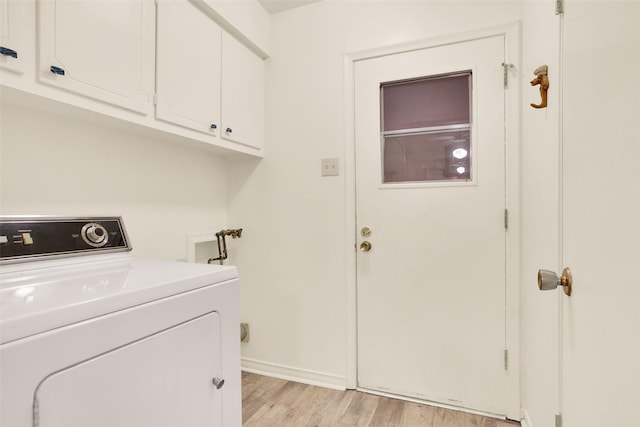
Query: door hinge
[(506, 219), (505, 75), (155, 98), (506, 359), (559, 7), (558, 420)]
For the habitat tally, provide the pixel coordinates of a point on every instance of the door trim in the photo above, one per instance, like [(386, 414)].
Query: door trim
[(512, 37)]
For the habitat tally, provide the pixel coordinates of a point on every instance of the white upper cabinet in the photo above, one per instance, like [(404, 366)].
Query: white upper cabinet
[(242, 94), (207, 80), (11, 38), (188, 67), (101, 49), (167, 65)]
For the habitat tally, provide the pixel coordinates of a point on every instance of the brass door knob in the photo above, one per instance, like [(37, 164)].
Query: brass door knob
[(365, 246), (549, 280)]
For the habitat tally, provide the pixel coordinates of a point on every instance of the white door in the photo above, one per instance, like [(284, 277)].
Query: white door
[(601, 225), (431, 289)]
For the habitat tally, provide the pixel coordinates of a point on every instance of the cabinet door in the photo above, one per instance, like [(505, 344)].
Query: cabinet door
[(188, 67), (164, 380), (242, 94), (102, 49), (11, 40)]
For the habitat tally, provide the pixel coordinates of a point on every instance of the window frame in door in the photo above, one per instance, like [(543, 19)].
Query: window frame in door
[(473, 181)]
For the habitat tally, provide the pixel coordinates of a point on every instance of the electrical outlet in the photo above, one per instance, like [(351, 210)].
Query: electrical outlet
[(244, 332), (330, 167)]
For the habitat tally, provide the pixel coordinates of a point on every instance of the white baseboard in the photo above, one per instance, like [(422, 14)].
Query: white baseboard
[(525, 421), (289, 373)]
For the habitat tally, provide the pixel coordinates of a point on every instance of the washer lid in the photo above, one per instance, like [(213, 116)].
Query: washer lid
[(39, 300)]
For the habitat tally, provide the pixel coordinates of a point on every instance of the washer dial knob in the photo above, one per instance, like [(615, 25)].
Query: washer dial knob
[(94, 234)]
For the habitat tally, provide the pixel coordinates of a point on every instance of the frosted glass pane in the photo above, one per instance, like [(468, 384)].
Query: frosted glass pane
[(436, 101), (434, 156)]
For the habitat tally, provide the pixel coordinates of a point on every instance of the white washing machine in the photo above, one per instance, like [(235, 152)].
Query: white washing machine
[(91, 337)]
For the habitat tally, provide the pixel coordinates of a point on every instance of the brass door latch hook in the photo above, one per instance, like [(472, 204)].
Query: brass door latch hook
[(222, 243), (541, 79)]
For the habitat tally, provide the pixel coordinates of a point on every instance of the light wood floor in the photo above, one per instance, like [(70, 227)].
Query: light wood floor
[(273, 402)]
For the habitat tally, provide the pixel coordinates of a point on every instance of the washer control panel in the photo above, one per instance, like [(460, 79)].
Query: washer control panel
[(27, 238)]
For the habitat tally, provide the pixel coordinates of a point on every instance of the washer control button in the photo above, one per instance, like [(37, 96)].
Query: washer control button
[(27, 239), (95, 234)]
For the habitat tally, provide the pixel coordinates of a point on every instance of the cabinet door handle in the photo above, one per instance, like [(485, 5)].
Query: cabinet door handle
[(57, 70), (214, 126), (8, 52), (229, 130)]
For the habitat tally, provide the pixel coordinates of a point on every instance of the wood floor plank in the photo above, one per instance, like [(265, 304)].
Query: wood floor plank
[(416, 414), (447, 418), (266, 387), (329, 407), (360, 410), (260, 391), (283, 409), (335, 410), (272, 402), (308, 402), (291, 394), (472, 420), (388, 413)]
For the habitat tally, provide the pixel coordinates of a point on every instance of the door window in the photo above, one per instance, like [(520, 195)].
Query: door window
[(426, 129)]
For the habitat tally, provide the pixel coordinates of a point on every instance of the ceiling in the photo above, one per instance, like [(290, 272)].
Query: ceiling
[(275, 6)]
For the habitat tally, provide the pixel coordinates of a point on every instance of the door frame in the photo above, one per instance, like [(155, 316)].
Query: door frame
[(512, 37)]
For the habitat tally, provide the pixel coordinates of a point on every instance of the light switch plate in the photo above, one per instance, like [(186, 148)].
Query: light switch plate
[(330, 167)]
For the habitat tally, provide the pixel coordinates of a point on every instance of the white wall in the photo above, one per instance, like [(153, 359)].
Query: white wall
[(73, 163), (293, 257)]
